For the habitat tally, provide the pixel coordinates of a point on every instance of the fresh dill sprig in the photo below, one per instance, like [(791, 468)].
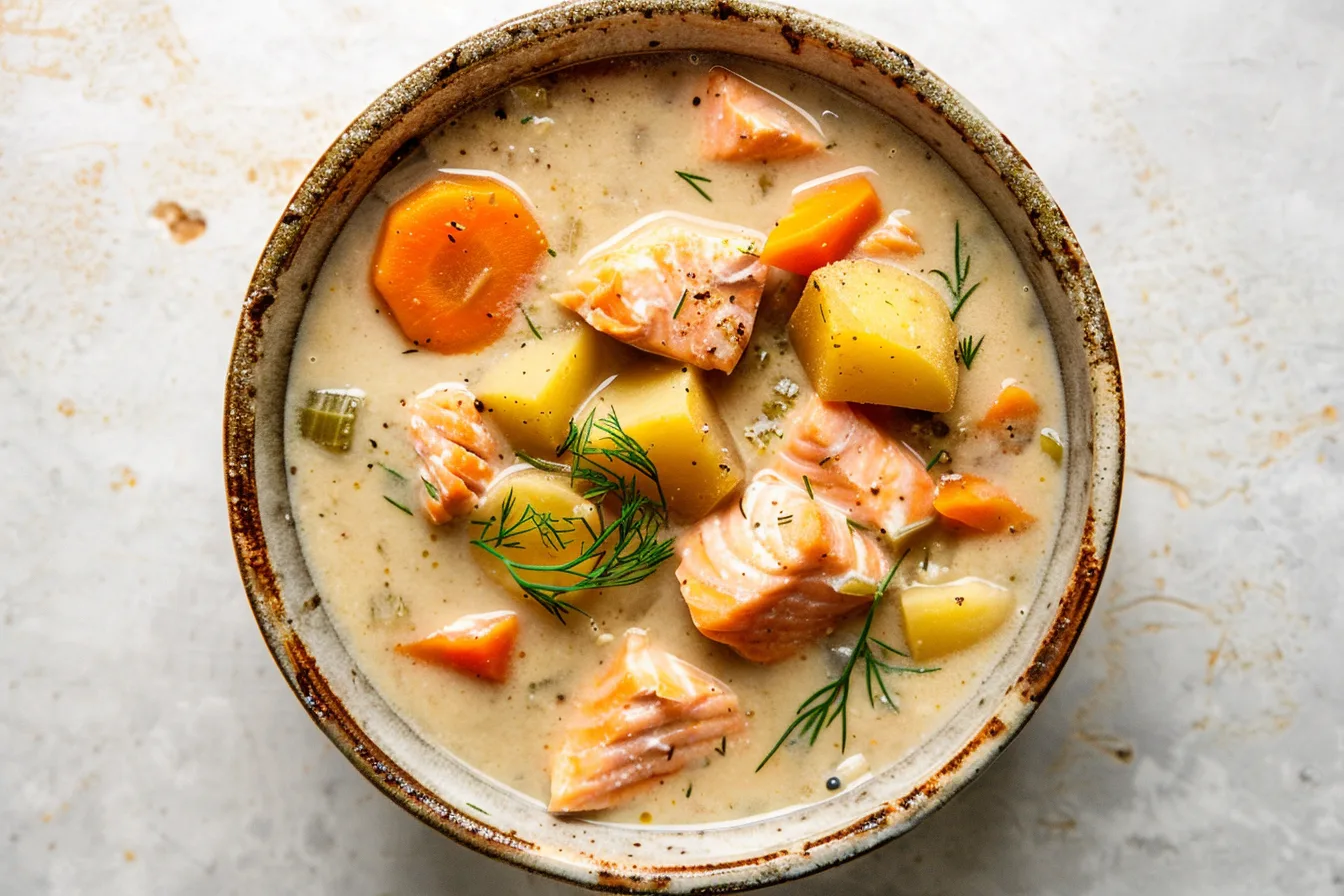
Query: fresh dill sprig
[(680, 302), (831, 701), (622, 551), (968, 348), (531, 326), (695, 180), (551, 252), (391, 472), (397, 504), (477, 808), (807, 484), (961, 268), (942, 453)]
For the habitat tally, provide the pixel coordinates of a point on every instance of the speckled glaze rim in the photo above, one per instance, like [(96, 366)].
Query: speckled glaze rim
[(864, 66)]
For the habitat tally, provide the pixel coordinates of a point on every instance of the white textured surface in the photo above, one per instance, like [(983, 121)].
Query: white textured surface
[(1195, 743)]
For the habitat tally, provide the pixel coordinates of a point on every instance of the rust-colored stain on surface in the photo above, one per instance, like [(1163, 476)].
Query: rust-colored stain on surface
[(183, 225), (125, 479)]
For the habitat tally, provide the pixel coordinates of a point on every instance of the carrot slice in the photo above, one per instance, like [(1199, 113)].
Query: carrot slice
[(1014, 405), (978, 504), (823, 226), (746, 122), (480, 644), (453, 258)]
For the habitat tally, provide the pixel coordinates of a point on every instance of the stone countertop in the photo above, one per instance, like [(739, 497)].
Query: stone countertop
[(1195, 742)]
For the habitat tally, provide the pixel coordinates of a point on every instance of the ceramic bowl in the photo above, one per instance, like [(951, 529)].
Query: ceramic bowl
[(440, 790)]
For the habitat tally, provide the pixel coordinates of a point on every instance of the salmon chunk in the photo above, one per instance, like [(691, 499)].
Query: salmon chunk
[(456, 450), (746, 122), (893, 238), (777, 572), (872, 478), (645, 717), (682, 287)]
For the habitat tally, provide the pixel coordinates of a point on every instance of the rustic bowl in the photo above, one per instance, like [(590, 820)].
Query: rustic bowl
[(440, 790)]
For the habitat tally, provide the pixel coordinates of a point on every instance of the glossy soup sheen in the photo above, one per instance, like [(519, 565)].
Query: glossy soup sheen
[(618, 133)]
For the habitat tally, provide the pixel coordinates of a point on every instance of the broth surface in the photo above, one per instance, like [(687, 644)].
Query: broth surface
[(607, 154)]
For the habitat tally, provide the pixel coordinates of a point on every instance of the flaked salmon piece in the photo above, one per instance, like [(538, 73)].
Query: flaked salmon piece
[(777, 572), (456, 450), (678, 286), (893, 238), (645, 717), (872, 478), (744, 121)]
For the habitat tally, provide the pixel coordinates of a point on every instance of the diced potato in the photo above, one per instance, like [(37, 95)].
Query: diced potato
[(531, 394), (666, 408), (942, 619), (871, 332), (564, 540)]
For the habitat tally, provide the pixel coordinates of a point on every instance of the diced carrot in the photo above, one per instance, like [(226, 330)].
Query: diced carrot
[(1014, 405), (823, 225), (976, 503), (746, 122), (453, 258), (480, 644)]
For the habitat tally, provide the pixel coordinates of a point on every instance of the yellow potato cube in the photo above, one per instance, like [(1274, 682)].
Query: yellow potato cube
[(942, 619), (871, 332), (531, 394), (666, 408), (547, 524)]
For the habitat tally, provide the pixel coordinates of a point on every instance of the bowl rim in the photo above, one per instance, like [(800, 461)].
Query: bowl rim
[(1058, 247)]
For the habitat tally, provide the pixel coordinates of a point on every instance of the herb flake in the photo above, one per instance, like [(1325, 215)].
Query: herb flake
[(680, 302), (695, 180), (531, 326)]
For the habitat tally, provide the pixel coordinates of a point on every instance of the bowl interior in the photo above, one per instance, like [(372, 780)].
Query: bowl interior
[(434, 785)]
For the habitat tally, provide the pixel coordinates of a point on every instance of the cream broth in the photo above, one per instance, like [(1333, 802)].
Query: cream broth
[(604, 154)]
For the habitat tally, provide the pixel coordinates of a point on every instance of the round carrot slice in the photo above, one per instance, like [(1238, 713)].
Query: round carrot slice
[(453, 258)]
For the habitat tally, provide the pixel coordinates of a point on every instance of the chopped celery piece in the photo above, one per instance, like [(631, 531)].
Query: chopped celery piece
[(328, 419), (531, 98), (1052, 444)]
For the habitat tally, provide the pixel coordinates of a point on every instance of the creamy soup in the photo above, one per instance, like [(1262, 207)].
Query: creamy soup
[(587, 154)]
